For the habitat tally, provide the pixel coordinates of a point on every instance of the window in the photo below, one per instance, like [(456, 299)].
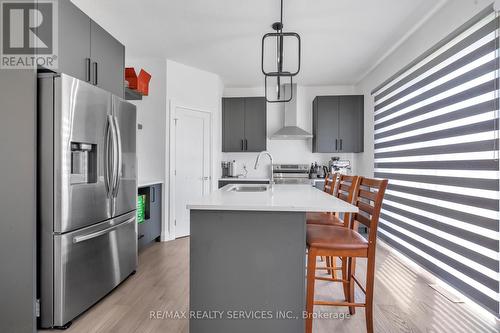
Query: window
[(436, 140)]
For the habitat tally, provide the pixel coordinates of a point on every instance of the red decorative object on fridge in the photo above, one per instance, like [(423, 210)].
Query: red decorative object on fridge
[(143, 82), (131, 77)]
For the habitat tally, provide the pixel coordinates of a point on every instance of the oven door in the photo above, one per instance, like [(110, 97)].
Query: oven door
[(293, 181)]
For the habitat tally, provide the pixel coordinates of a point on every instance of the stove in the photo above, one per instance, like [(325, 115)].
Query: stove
[(291, 174)]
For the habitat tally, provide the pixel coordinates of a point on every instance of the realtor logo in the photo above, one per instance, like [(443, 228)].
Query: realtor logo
[(28, 34)]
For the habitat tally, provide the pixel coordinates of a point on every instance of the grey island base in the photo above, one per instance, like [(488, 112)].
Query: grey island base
[(247, 250)]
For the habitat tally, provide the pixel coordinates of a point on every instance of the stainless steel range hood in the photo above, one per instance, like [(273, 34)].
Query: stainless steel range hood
[(290, 130)]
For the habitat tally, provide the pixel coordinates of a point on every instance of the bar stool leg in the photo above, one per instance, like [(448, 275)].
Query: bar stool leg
[(333, 264), (311, 277), (370, 280), (350, 274), (345, 286)]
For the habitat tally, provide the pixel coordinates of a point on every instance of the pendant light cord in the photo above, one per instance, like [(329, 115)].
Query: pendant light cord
[(281, 16), (280, 52)]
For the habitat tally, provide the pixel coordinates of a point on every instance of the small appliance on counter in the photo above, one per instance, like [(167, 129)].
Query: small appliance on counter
[(291, 174), (229, 169), (225, 169), (317, 171), (338, 165)]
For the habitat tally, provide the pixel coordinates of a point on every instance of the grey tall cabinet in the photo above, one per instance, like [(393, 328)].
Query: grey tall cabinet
[(244, 124), (149, 230), (88, 52), (18, 236), (338, 124)]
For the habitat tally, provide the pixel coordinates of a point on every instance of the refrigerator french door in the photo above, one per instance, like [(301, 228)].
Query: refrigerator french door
[(87, 174)]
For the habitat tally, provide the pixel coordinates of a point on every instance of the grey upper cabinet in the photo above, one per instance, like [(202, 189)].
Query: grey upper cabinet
[(325, 124), (74, 41), (351, 125), (88, 52), (338, 124), (244, 124), (233, 129), (108, 60), (255, 124)]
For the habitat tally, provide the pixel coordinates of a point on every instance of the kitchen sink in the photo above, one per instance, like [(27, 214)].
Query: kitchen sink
[(249, 188)]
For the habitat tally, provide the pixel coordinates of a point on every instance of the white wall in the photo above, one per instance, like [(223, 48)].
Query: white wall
[(287, 151), (197, 89), (151, 111), (151, 114), (451, 16), (185, 86)]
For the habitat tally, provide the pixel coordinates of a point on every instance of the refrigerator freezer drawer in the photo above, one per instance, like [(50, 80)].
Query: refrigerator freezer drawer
[(90, 262)]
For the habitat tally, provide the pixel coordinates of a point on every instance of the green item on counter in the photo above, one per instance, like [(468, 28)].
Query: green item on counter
[(141, 208)]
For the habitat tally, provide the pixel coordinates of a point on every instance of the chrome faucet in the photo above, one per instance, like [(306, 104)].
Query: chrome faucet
[(271, 180)]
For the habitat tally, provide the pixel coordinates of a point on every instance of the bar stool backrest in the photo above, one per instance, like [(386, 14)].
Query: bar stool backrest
[(368, 198), (331, 183), (347, 188)]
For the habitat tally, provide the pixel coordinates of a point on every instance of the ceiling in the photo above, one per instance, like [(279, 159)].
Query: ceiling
[(342, 40)]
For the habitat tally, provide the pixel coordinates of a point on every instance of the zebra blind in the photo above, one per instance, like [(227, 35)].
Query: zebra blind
[(436, 140)]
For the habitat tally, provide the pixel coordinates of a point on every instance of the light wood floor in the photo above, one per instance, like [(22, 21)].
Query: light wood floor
[(403, 300)]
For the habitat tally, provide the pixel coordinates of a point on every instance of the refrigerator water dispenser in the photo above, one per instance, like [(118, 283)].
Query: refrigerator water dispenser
[(83, 163)]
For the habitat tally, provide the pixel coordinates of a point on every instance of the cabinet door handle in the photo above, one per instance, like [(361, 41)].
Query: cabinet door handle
[(340, 144), (153, 194), (242, 145), (87, 69), (94, 70), (246, 144), (336, 144)]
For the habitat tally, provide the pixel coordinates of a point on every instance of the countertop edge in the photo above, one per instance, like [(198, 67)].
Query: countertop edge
[(244, 179), (149, 183), (266, 209)]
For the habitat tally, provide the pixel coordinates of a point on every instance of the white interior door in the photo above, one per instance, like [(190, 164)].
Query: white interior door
[(192, 162)]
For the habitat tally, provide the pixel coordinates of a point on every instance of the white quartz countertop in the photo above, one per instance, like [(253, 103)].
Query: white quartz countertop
[(285, 198), (149, 182), (245, 179)]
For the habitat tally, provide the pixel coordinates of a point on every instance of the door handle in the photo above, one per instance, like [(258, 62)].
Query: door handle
[(340, 144), (108, 156), (94, 70), (246, 144), (118, 159), (153, 194), (242, 145), (79, 239), (336, 144), (87, 69)]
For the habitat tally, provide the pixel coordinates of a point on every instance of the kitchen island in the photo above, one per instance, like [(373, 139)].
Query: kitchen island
[(247, 257)]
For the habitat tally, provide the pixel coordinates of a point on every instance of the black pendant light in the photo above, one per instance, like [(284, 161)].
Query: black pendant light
[(279, 73)]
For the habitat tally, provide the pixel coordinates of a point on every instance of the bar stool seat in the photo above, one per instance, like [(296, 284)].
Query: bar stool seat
[(335, 238), (324, 219)]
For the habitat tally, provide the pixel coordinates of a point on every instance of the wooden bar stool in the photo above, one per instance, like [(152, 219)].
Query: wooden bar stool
[(344, 189), (331, 183), (331, 241)]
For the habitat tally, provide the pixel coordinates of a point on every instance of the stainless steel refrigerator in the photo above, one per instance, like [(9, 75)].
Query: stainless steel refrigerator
[(87, 185)]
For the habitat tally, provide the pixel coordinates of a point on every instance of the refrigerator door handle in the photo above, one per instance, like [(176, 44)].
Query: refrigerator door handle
[(108, 156), (118, 166), (79, 239), (114, 159)]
